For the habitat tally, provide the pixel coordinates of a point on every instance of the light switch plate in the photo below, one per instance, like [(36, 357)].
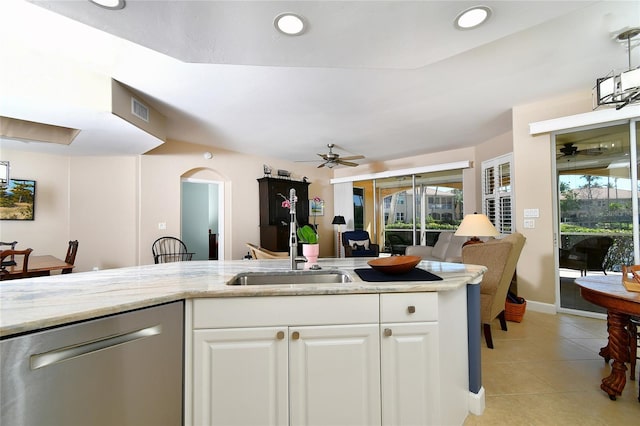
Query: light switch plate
[(531, 212), (529, 223), (162, 225)]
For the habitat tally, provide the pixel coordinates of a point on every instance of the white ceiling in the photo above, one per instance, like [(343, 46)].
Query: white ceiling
[(386, 79)]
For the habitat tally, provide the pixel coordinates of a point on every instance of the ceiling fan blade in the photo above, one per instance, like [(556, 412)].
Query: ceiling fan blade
[(347, 163), (321, 165), (324, 156), (353, 157)]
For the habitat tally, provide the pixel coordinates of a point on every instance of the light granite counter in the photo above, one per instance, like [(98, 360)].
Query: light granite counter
[(36, 303)]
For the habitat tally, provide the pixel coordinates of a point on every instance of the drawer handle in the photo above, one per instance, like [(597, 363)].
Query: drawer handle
[(387, 332), (411, 309), (295, 335), (280, 335)]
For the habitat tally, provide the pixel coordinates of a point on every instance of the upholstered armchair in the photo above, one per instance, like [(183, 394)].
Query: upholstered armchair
[(500, 257), (358, 244)]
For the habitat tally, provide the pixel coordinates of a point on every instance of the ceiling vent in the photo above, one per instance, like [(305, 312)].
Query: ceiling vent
[(140, 110)]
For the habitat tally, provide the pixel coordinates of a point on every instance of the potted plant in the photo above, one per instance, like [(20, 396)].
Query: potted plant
[(310, 247)]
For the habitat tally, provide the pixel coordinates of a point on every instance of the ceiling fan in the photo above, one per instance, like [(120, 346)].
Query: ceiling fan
[(570, 150), (331, 159)]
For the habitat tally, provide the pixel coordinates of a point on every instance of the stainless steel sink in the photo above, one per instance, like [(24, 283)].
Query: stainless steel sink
[(291, 277)]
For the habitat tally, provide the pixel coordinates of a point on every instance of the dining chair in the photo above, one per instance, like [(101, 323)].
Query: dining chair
[(70, 258), (4, 274), (170, 249), (12, 246)]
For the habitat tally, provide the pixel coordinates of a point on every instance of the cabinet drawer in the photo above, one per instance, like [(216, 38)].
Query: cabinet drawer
[(408, 307), (285, 310)]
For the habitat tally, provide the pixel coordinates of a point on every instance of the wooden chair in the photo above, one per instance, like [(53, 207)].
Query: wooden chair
[(263, 253), (4, 274), (170, 249), (500, 257), (70, 258), (12, 246)]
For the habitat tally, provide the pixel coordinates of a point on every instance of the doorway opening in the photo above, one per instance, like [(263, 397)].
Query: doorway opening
[(202, 218)]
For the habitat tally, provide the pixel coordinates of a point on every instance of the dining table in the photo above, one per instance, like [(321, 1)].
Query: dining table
[(38, 265), (609, 292)]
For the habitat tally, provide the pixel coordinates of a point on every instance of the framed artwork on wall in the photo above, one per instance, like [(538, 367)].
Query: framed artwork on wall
[(316, 207), (17, 200)]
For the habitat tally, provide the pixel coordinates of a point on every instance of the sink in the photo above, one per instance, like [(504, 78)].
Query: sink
[(290, 277)]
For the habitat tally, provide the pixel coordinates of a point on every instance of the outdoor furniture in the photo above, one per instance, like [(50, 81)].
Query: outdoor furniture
[(500, 257), (358, 244), (586, 255), (170, 249)]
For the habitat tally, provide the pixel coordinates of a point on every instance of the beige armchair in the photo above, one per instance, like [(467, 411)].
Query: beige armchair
[(263, 253), (500, 257)]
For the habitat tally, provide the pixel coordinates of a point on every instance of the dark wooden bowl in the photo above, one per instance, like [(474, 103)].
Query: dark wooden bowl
[(395, 264)]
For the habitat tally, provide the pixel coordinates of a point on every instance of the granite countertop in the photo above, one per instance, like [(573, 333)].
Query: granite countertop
[(36, 303)]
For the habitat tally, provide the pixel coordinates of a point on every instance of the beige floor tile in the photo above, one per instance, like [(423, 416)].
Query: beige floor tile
[(547, 371)]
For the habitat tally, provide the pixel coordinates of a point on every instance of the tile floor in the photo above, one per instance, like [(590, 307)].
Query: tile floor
[(546, 371)]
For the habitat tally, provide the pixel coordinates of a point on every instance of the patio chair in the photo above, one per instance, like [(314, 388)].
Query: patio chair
[(586, 255)]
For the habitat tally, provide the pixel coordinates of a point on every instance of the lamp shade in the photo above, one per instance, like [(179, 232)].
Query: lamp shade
[(338, 220), (476, 225)]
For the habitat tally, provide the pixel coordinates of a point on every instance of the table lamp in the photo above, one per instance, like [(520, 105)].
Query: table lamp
[(476, 225), (339, 220)]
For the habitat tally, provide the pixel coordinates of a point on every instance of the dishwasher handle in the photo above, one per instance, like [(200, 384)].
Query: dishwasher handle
[(80, 349)]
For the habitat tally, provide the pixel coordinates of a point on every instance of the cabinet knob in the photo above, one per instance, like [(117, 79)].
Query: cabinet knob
[(280, 335), (411, 309), (387, 332), (295, 335)]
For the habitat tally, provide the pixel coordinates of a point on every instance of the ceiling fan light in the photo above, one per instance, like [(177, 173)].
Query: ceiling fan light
[(472, 17), (289, 24), (109, 4), (630, 79)]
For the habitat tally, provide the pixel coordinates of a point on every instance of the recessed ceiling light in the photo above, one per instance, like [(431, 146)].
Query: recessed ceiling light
[(289, 24), (109, 4), (472, 17)]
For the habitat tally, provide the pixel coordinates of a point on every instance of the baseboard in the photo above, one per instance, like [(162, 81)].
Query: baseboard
[(476, 402), (545, 308)]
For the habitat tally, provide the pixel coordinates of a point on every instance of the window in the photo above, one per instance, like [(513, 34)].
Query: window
[(497, 192)]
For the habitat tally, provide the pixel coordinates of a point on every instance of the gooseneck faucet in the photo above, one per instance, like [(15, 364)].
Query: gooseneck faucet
[(293, 230)]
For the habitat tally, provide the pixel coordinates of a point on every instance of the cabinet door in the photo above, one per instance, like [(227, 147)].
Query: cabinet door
[(410, 374), (334, 375), (241, 376)]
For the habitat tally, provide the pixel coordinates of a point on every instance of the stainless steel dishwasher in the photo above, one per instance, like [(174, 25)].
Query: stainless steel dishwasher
[(124, 369)]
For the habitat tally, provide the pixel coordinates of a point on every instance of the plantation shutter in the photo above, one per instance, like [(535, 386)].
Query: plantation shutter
[(497, 190)]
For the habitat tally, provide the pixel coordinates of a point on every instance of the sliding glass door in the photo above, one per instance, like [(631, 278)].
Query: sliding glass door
[(597, 206), (411, 209)]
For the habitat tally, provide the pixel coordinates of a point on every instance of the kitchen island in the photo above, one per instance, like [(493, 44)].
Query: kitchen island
[(40, 303)]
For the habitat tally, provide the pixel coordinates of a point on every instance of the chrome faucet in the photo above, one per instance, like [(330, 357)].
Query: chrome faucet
[(293, 230)]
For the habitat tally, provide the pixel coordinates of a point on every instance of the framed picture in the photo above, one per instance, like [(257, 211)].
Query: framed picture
[(316, 207), (17, 200)]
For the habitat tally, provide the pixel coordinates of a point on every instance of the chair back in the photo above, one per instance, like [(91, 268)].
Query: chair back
[(500, 256), (11, 246), (70, 258), (170, 249), (21, 270)]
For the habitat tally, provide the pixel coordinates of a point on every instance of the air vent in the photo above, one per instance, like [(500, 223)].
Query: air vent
[(139, 109)]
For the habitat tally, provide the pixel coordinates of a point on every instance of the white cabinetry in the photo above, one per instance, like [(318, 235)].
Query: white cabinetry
[(315, 361), (368, 359), (410, 359)]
